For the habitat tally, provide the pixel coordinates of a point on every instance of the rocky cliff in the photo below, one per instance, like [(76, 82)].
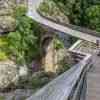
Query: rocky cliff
[(7, 20)]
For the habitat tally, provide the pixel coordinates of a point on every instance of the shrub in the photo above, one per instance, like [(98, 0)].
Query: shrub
[(58, 44), (21, 10), (93, 17), (24, 42), (4, 53)]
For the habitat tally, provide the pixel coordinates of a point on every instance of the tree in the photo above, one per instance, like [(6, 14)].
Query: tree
[(93, 17)]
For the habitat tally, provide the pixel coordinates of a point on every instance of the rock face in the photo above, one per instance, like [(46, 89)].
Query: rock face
[(54, 60), (8, 74), (63, 57), (7, 21), (49, 58), (50, 10)]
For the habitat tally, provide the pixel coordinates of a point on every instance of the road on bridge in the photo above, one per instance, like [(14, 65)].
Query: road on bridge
[(32, 12)]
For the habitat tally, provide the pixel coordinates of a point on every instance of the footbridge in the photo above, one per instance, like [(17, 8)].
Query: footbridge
[(79, 82), (76, 31)]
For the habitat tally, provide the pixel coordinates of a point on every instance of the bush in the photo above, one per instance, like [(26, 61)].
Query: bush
[(4, 53), (24, 42), (2, 98), (21, 10), (93, 17), (37, 80), (58, 44)]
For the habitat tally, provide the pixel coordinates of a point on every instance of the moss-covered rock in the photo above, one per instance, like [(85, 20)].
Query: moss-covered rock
[(8, 73), (4, 12), (7, 20), (7, 23), (49, 9)]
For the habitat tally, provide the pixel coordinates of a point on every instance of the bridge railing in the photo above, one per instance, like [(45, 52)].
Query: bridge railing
[(71, 85)]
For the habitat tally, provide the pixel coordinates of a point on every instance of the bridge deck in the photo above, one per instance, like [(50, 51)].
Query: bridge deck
[(93, 80)]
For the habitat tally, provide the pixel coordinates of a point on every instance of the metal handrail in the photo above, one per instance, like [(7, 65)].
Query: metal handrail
[(61, 88)]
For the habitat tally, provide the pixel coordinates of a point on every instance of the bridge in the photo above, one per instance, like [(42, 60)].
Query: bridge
[(81, 82), (72, 30)]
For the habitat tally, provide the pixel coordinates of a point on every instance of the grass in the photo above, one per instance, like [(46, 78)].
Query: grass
[(2, 98)]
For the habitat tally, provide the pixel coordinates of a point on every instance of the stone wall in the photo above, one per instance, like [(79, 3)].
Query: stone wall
[(7, 20)]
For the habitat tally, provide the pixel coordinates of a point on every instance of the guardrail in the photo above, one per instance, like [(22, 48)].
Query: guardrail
[(71, 85), (80, 89)]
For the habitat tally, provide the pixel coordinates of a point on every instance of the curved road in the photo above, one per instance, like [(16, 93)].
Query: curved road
[(33, 5)]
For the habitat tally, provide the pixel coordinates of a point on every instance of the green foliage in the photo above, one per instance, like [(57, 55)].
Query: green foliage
[(82, 12), (65, 65), (20, 10), (4, 53), (44, 7), (65, 5), (55, 14), (58, 44), (64, 68), (37, 80), (2, 98), (24, 43), (22, 98), (93, 17)]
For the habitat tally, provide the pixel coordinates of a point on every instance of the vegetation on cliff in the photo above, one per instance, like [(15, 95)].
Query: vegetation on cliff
[(7, 19), (79, 12)]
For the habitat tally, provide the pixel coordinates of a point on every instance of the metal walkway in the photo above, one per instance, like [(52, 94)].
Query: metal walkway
[(93, 80)]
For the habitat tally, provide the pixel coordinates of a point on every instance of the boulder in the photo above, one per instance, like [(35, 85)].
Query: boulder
[(7, 23), (8, 73), (7, 20), (50, 10), (64, 56), (63, 60)]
